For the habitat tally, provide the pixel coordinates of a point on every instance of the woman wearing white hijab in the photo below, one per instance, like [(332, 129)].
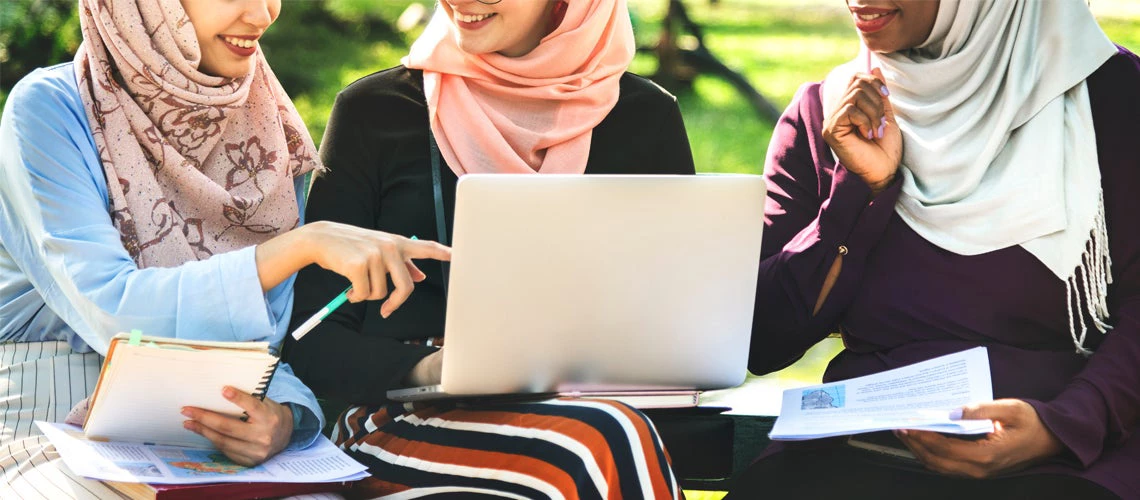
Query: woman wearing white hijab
[(972, 189)]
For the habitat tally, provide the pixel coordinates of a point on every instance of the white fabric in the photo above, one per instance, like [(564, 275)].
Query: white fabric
[(998, 141), (41, 381)]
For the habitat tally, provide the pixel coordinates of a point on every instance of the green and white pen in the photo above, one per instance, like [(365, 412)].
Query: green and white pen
[(325, 311)]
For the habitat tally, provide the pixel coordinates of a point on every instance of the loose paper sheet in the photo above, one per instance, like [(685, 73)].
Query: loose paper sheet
[(919, 396)]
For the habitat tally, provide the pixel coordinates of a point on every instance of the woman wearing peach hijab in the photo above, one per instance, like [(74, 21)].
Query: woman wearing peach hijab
[(516, 86)]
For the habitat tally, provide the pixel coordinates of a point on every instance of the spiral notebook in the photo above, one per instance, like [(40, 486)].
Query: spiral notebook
[(145, 382)]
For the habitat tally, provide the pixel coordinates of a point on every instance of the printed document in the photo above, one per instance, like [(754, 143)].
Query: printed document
[(146, 463), (919, 396)]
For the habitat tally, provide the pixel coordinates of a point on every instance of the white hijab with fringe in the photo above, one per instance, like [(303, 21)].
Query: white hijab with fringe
[(998, 141)]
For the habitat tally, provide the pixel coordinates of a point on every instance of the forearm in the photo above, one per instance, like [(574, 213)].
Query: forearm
[(803, 288), (1100, 407), (282, 256)]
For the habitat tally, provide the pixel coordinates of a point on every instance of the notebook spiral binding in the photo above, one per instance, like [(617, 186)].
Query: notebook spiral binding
[(263, 386)]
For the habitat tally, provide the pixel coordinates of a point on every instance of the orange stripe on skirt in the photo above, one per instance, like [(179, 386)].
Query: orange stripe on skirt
[(466, 457), (575, 429)]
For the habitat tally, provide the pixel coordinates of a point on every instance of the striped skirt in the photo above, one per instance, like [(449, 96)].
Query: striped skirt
[(41, 381), (561, 448)]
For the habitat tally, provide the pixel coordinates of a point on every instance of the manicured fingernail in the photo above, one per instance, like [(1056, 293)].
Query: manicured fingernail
[(883, 90), (956, 414), (870, 134), (882, 129)]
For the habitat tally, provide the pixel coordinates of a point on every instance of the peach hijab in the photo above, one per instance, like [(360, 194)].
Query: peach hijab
[(534, 113), (196, 164)]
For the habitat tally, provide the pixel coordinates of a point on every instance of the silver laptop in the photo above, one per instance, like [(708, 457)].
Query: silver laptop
[(585, 282)]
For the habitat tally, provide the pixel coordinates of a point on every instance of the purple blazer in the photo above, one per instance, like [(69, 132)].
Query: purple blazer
[(900, 299)]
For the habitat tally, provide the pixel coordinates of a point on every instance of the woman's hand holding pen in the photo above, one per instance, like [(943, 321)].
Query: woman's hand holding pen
[(863, 132), (366, 257), (262, 434)]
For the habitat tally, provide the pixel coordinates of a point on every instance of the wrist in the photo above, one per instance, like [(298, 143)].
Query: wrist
[(880, 185)]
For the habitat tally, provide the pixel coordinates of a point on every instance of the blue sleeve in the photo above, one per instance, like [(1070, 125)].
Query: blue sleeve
[(55, 225)]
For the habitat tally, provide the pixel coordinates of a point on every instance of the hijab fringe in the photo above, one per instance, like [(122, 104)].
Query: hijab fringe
[(1095, 274)]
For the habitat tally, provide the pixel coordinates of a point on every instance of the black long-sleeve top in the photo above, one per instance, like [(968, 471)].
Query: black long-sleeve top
[(376, 149)]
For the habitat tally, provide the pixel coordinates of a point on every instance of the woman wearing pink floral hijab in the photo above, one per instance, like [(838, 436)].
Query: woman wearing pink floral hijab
[(154, 184)]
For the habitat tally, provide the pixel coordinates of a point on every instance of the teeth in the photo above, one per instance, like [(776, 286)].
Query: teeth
[(471, 19), (869, 17), (240, 42)]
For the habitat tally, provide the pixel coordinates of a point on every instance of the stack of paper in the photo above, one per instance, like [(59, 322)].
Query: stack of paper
[(919, 396), (146, 463)]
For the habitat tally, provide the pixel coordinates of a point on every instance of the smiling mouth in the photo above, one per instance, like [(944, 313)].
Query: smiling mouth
[(871, 20), (241, 43), (871, 17), (472, 18)]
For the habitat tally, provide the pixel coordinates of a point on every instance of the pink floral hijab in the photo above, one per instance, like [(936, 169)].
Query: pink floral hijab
[(196, 164)]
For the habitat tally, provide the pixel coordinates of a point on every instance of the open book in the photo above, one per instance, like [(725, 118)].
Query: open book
[(146, 381)]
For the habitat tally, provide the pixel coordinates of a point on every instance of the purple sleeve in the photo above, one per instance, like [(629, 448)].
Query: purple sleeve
[(814, 207), (1101, 405)]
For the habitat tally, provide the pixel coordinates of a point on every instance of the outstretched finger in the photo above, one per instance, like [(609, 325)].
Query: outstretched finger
[(424, 249)]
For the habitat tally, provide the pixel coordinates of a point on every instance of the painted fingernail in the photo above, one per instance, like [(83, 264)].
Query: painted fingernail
[(883, 90), (882, 128), (956, 414), (870, 134)]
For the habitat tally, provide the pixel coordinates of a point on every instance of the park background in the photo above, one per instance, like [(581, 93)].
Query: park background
[(317, 47)]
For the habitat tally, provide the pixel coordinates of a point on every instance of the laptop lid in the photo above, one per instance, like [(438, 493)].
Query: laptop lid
[(613, 280)]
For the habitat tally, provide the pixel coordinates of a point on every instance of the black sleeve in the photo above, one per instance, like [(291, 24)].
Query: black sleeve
[(338, 360), (674, 154)]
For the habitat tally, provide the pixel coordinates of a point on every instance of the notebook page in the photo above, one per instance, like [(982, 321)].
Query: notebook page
[(146, 387)]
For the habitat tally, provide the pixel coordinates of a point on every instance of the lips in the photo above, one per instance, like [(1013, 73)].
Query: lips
[(243, 46), (870, 19), (473, 21)]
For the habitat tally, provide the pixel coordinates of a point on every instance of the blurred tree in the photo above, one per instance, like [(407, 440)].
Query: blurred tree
[(311, 37), (35, 33)]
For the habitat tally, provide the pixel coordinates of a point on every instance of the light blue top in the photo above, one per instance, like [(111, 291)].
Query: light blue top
[(65, 275)]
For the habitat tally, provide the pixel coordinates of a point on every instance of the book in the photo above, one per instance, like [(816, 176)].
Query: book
[(146, 381), (119, 462), (233, 491)]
